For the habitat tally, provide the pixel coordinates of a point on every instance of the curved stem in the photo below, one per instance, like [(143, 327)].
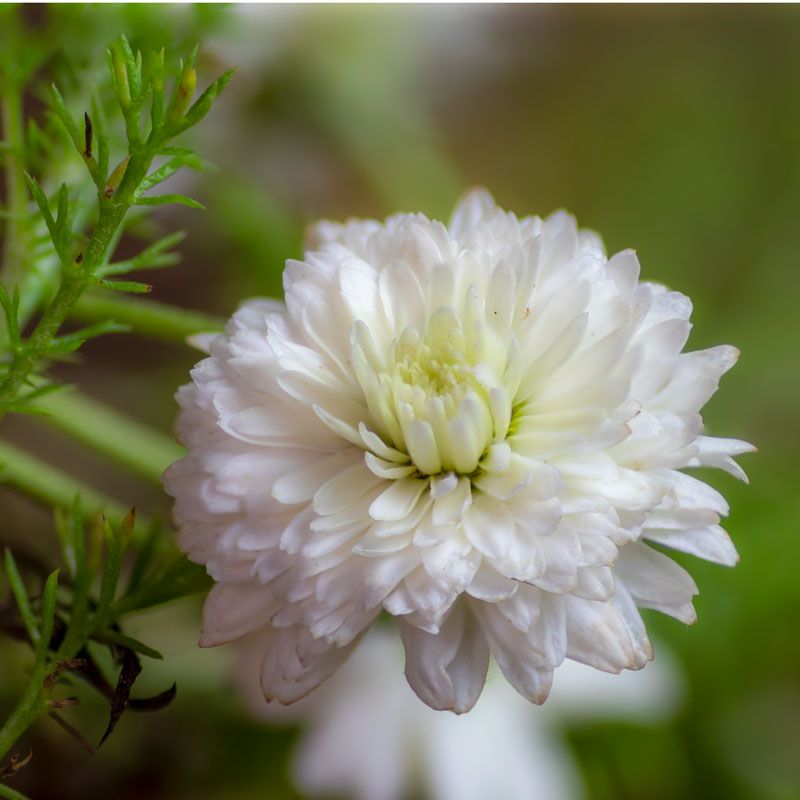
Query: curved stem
[(55, 488), (15, 246), (30, 706), (76, 280), (11, 794), (143, 449), (147, 317)]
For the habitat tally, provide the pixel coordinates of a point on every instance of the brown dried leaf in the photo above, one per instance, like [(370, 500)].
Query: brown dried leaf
[(15, 764), (61, 667), (119, 700)]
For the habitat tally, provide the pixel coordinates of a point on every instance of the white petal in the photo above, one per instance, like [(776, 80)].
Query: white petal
[(398, 500), (498, 457), (526, 670), (429, 534), (382, 575), (447, 670), (295, 664), (342, 428), (716, 452), (302, 484), (489, 526), (402, 297), (523, 608), (490, 586), (389, 470), (472, 209), (337, 398), (452, 562), (422, 448), (597, 636), (432, 600), (345, 489), (450, 508), (443, 484), (594, 583), (500, 296), (623, 268), (233, 609), (653, 579), (711, 543), (371, 546), (691, 493), (632, 619), (377, 445)]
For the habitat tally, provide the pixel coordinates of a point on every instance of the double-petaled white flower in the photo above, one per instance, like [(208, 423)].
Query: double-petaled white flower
[(474, 428)]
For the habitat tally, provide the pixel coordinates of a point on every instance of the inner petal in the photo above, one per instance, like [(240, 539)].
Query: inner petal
[(430, 397)]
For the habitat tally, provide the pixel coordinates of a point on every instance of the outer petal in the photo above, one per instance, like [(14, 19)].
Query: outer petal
[(656, 581), (447, 670), (527, 659), (472, 209), (597, 636), (295, 663), (234, 609)]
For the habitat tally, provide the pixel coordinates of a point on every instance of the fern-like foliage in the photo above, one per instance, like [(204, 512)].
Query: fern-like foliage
[(85, 602), (151, 123), (64, 214)]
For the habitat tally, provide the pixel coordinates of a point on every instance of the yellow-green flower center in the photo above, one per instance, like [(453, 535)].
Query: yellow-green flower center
[(432, 397)]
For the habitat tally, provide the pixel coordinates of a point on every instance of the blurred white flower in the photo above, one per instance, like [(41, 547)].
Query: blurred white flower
[(366, 739), (475, 428)]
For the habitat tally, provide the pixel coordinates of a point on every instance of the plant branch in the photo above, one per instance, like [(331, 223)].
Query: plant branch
[(144, 450), (15, 245), (116, 193), (45, 483), (30, 706), (11, 794), (147, 317), (72, 286)]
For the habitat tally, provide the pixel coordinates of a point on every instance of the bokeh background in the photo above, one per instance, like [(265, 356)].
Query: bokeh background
[(674, 130)]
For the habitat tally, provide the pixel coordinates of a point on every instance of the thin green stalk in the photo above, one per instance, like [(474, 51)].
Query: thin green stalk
[(116, 193), (147, 317), (145, 450), (15, 246), (76, 279), (30, 706), (72, 286), (53, 487), (12, 794)]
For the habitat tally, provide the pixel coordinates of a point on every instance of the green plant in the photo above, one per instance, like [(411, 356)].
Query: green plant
[(58, 264)]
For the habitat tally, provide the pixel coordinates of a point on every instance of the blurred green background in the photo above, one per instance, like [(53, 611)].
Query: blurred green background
[(674, 130)]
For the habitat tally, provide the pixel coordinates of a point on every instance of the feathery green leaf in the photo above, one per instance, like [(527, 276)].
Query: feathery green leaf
[(124, 286), (48, 616), (152, 257), (21, 596), (164, 199)]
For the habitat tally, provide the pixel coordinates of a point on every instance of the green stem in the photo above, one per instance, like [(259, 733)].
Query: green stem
[(146, 451), (14, 248), (12, 794), (30, 706), (55, 488), (25, 360), (147, 317), (77, 279), (72, 286)]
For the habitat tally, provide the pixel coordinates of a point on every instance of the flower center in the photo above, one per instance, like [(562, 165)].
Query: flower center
[(429, 397)]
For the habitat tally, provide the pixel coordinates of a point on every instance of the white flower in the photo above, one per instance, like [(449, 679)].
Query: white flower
[(475, 428), (365, 740)]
